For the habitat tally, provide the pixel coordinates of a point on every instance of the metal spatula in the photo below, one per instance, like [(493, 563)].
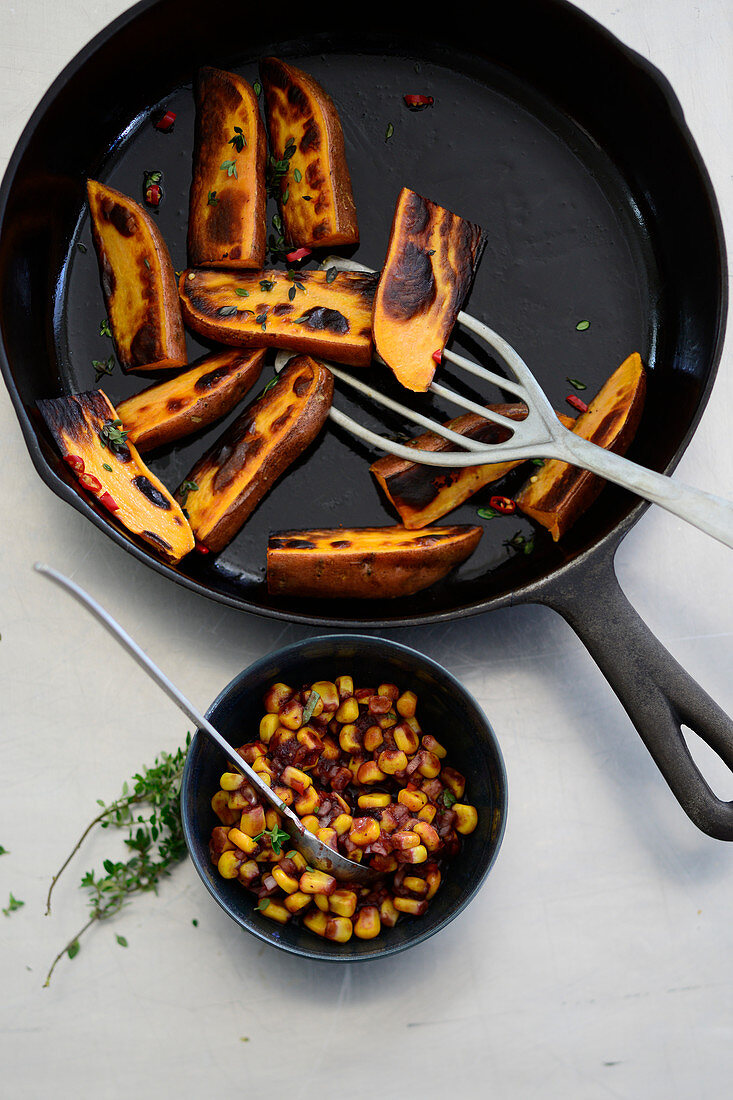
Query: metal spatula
[(539, 435)]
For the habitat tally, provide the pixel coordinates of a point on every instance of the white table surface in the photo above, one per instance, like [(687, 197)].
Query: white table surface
[(596, 960)]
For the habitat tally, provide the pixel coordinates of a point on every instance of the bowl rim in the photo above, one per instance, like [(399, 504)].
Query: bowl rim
[(438, 671)]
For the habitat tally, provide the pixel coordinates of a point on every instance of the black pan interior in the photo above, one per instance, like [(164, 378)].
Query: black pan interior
[(570, 152)]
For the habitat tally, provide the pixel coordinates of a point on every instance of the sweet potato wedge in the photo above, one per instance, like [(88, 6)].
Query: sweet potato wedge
[(226, 214), (316, 201), (558, 493), (138, 282), (207, 391), (431, 260), (330, 316), (364, 563), (256, 449), (422, 494), (86, 430)]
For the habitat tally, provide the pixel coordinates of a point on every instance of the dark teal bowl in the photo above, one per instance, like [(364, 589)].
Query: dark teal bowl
[(445, 709)]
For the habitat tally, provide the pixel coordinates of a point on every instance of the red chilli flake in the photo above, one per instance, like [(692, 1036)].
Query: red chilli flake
[(504, 505), (438, 356), (298, 254), (576, 403), (76, 462), (165, 122), (418, 102), (200, 548), (109, 502), (90, 482), (153, 194)]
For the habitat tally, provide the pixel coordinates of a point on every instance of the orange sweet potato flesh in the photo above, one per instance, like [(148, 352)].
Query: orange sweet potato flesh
[(364, 563), (255, 450), (226, 218), (423, 494), (138, 282), (144, 505), (326, 318), (316, 200), (558, 493), (193, 399), (431, 260)]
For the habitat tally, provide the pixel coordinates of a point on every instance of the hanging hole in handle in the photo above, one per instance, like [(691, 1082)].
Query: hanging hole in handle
[(715, 771)]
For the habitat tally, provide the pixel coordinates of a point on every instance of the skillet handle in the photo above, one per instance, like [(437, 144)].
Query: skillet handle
[(657, 693)]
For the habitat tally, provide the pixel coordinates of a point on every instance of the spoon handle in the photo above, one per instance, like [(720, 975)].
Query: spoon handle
[(170, 689)]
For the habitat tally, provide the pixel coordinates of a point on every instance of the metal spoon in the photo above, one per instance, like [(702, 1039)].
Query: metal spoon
[(314, 851)]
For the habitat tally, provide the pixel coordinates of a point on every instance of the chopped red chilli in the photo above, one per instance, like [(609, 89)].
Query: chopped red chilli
[(165, 122), (438, 355), (298, 254), (418, 102), (577, 403), (200, 548), (505, 505), (76, 462), (153, 194), (362, 775), (90, 482), (109, 502)]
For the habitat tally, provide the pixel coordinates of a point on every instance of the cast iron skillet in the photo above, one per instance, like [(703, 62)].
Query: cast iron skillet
[(572, 153)]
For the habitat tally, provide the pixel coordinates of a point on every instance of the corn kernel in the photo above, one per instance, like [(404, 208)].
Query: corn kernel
[(414, 800), (237, 800), (295, 778), (384, 864), (369, 772), (311, 823), (428, 835), (231, 781), (317, 882), (427, 813), (466, 818), (376, 801), (339, 929), (276, 696), (318, 707), (321, 901), (415, 885), (354, 763), (343, 823), (387, 720), (297, 902), (253, 822), (297, 858), (229, 864), (414, 724), (432, 877), (343, 902), (268, 725), (248, 872), (220, 806), (291, 714), (455, 781), (373, 738), (285, 795), (390, 690), (349, 738), (286, 882), (348, 711), (328, 693), (414, 855), (406, 738), (429, 765), (429, 743), (392, 761), (251, 751), (263, 766), (310, 739), (330, 750), (345, 686), (316, 921), (365, 830), (273, 819), (240, 840), (367, 924), (413, 906), (328, 837), (405, 839), (274, 911), (406, 705), (387, 913), (308, 803)]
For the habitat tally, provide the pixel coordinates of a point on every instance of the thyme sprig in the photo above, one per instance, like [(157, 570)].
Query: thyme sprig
[(155, 840)]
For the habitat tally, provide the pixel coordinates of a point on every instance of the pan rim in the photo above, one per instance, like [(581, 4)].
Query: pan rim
[(526, 591)]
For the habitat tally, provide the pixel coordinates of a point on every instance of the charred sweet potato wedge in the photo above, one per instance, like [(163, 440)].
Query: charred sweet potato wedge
[(226, 215), (138, 282), (422, 494), (193, 399), (331, 316), (558, 493), (234, 475), (431, 260), (364, 563), (88, 433), (307, 143)]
